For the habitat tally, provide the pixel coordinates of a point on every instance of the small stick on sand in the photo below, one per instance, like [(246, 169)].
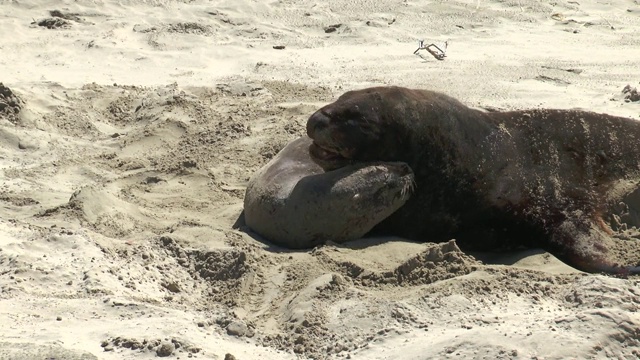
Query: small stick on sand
[(611, 26), (433, 49)]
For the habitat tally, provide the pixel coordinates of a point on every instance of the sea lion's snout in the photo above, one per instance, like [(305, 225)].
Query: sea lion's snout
[(317, 122), (325, 150), (402, 169)]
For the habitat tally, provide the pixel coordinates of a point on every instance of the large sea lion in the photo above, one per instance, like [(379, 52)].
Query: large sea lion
[(494, 178), (293, 202)]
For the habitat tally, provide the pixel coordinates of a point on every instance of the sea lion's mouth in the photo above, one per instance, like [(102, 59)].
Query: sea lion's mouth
[(324, 153), (329, 158)]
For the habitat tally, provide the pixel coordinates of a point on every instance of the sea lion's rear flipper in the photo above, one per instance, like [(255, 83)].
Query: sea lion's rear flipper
[(588, 245)]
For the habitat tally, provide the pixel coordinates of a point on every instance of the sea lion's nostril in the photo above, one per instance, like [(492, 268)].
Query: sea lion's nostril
[(317, 122), (405, 169)]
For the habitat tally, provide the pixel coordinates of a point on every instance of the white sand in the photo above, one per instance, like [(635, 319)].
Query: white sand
[(117, 202)]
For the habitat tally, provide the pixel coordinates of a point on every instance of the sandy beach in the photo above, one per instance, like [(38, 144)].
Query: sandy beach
[(129, 130)]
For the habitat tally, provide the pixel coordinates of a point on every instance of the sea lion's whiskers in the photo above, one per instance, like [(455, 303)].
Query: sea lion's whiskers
[(408, 188)]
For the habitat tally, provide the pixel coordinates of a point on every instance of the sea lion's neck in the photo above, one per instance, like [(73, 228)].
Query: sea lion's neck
[(447, 132), (445, 143)]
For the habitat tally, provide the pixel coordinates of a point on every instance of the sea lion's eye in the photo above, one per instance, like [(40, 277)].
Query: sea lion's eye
[(352, 122)]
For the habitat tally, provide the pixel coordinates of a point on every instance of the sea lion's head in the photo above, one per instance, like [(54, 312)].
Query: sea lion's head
[(357, 127)]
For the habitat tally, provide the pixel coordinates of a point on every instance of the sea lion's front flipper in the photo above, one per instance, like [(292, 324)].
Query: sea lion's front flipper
[(588, 245)]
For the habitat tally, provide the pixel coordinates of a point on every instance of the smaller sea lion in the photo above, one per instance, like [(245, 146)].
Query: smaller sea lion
[(293, 202)]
